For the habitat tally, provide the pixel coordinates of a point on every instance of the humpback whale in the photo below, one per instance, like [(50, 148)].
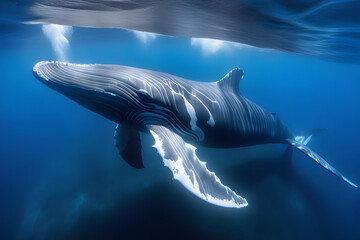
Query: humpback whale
[(179, 114)]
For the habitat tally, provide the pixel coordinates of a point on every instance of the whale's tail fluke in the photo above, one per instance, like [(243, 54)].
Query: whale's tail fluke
[(300, 143), (305, 136)]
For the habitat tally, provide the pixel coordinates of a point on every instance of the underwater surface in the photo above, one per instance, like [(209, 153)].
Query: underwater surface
[(61, 176)]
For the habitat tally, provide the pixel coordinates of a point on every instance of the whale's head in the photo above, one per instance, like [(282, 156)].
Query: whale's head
[(119, 93)]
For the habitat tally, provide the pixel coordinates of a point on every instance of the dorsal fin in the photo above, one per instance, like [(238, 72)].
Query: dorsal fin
[(230, 82)]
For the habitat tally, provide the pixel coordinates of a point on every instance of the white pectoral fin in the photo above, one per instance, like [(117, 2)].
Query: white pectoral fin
[(193, 174)]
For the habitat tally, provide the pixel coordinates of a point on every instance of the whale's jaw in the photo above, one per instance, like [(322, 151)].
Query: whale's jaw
[(90, 85)]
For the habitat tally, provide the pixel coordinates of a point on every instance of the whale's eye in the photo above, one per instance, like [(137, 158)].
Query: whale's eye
[(143, 91), (143, 94)]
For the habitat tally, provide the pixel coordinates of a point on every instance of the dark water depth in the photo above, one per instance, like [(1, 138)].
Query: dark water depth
[(62, 178)]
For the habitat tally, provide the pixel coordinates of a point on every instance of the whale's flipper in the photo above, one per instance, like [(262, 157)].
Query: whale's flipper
[(193, 174), (318, 159), (127, 141)]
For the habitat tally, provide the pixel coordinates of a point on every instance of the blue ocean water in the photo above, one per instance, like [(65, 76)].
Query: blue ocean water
[(62, 178)]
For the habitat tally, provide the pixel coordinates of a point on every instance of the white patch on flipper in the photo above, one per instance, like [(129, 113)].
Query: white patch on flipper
[(191, 172)]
